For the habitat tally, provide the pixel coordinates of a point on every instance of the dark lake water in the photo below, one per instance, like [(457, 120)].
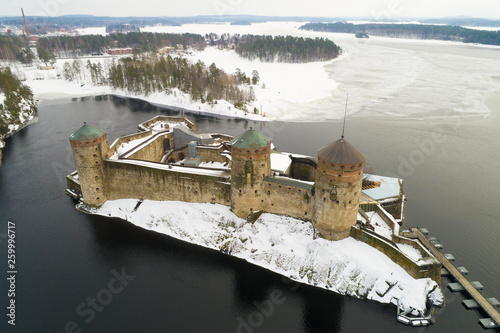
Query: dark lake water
[(66, 259)]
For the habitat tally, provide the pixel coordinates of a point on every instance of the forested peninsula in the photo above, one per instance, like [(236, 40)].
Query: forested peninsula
[(206, 84), (416, 31), (17, 105), (286, 49)]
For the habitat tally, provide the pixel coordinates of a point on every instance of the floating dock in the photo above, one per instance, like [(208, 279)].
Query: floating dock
[(471, 288), (472, 304), (449, 256)]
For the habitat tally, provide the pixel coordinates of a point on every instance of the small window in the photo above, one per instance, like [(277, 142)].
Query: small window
[(305, 213), (255, 191)]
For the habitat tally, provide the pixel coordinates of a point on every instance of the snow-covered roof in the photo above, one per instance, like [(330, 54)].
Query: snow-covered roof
[(290, 182), (379, 224), (280, 162), (174, 168), (389, 187), (215, 165)]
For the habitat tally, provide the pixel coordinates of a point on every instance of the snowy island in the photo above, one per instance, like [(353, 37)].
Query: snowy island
[(319, 221)]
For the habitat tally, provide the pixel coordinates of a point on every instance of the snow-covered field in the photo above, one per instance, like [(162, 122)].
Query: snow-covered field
[(283, 245), (384, 77), (49, 84)]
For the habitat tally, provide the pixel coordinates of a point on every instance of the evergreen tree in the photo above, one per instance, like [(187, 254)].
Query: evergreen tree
[(18, 104), (26, 56), (46, 55)]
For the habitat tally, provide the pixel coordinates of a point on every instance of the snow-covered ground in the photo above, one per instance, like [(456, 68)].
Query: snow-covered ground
[(283, 245), (287, 86), (49, 84)]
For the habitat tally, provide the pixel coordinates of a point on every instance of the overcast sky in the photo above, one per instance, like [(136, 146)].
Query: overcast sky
[(370, 8)]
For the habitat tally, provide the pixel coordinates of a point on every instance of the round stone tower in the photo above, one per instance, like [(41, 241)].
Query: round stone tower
[(90, 147), (251, 163), (339, 178)]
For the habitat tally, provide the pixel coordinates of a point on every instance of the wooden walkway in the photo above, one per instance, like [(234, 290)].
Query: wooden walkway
[(480, 299)]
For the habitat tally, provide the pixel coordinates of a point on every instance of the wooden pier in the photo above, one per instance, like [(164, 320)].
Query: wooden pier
[(473, 292)]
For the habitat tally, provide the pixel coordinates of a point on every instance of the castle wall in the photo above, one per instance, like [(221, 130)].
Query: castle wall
[(127, 138), (394, 208), (208, 154), (431, 270), (130, 181), (288, 200), (303, 168), (153, 151), (170, 119)]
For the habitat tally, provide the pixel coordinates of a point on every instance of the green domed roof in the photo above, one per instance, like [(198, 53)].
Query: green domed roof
[(251, 139), (341, 152), (86, 132)]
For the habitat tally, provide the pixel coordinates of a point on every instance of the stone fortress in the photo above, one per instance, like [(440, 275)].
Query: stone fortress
[(168, 160)]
